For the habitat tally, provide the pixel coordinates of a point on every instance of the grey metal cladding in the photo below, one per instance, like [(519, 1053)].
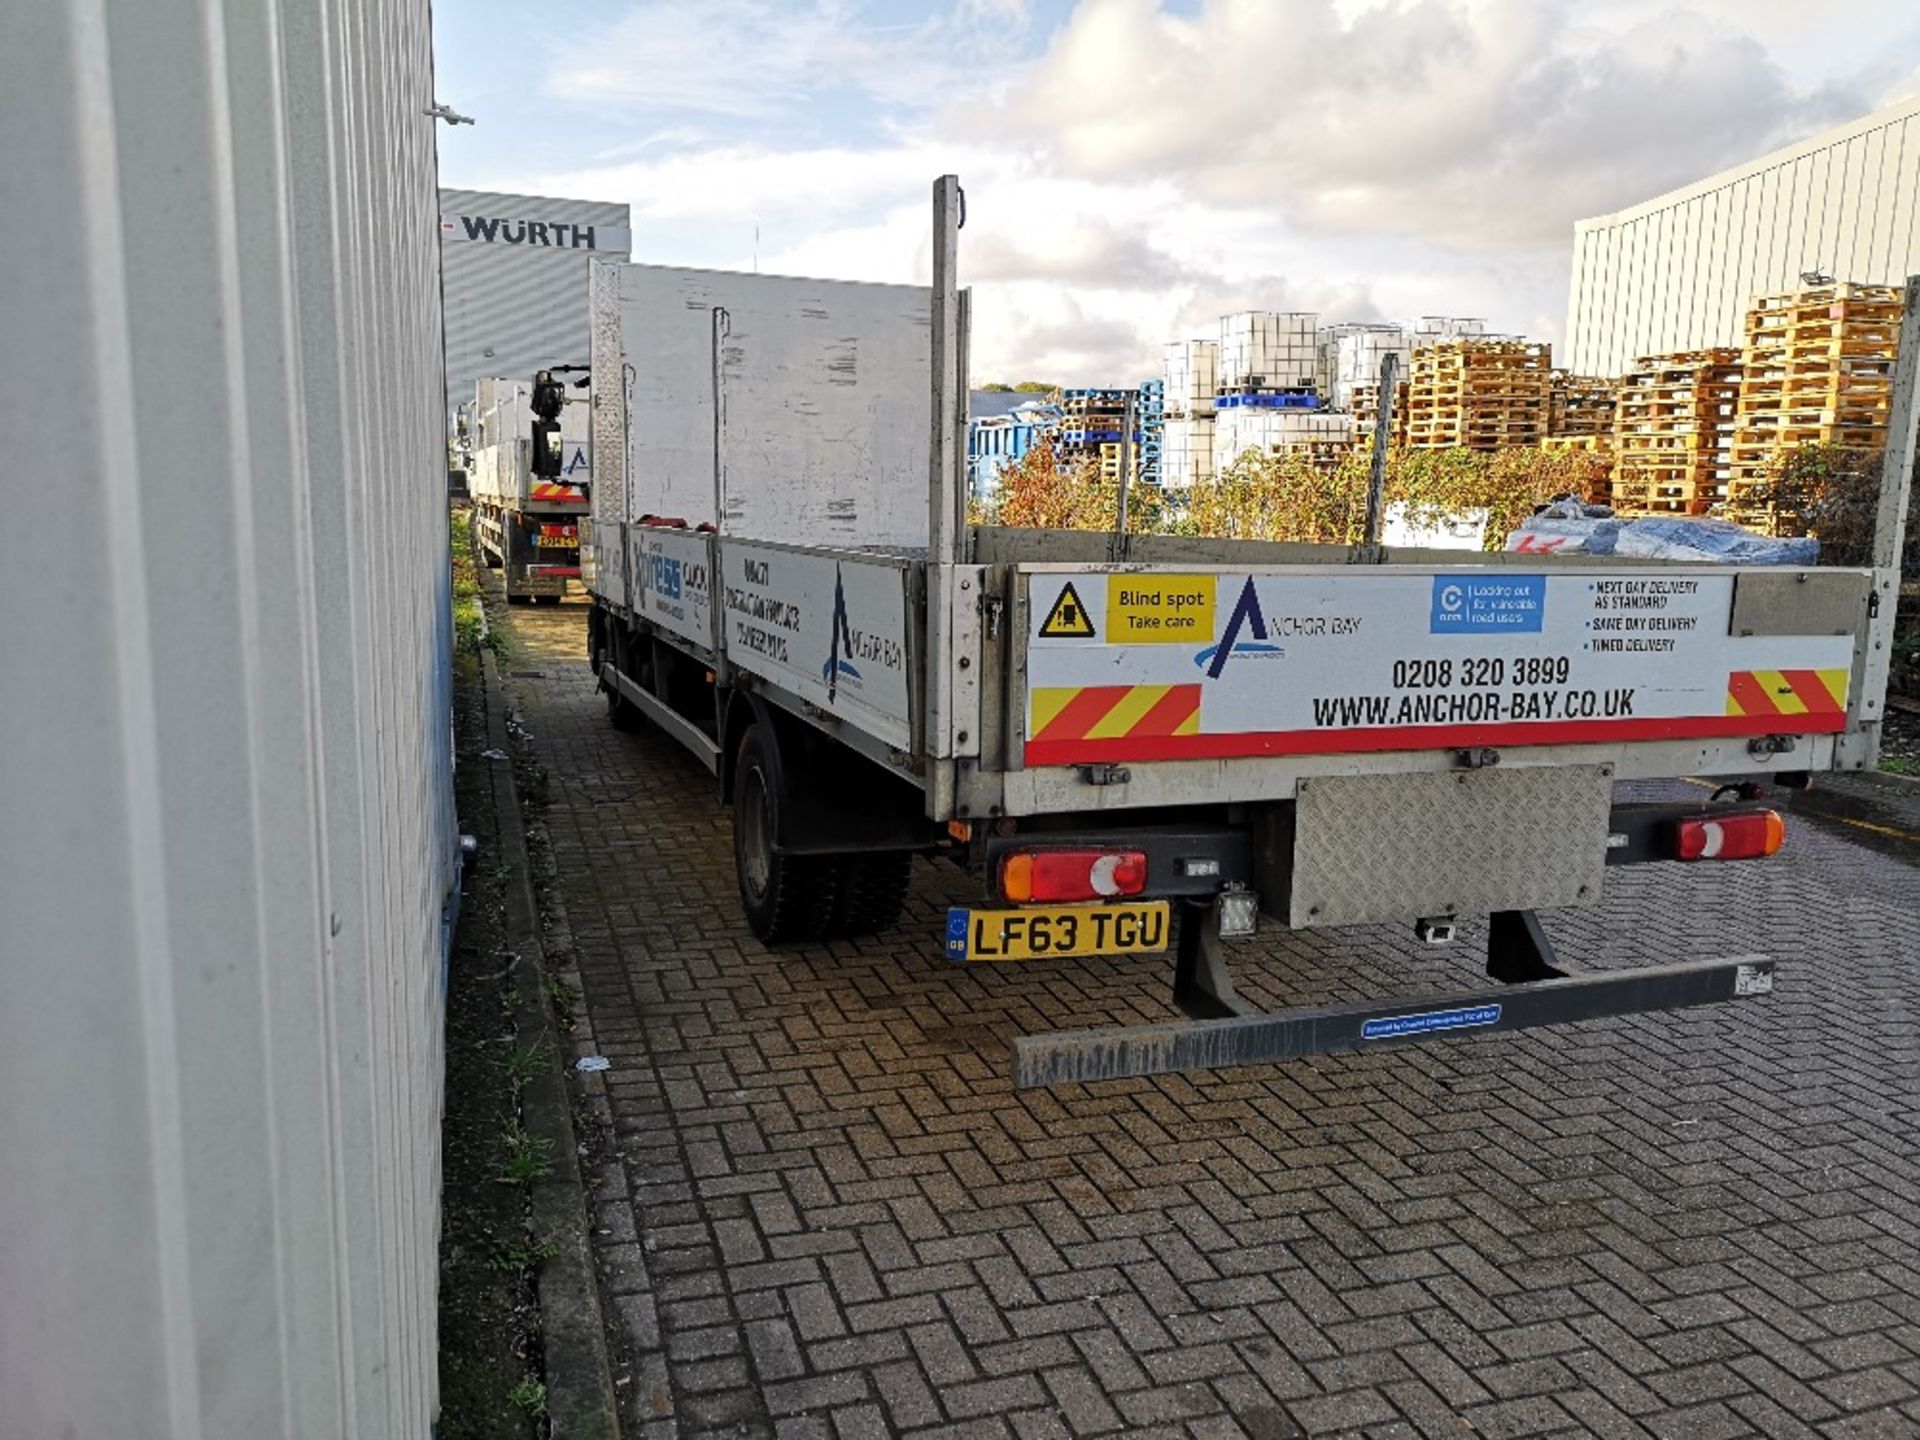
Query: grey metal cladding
[(1677, 272), (513, 308), (1371, 848)]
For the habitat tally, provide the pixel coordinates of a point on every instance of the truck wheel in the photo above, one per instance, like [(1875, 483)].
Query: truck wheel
[(872, 890), (786, 897), (622, 713), (547, 599)]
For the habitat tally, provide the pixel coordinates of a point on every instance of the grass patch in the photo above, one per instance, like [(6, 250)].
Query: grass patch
[(525, 1158), (518, 1255), (1898, 765), (530, 1396), (521, 1064)]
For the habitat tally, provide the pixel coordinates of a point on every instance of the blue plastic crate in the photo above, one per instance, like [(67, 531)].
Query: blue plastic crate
[(1267, 402)]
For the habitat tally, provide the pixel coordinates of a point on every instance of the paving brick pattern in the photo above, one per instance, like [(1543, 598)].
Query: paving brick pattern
[(821, 1210)]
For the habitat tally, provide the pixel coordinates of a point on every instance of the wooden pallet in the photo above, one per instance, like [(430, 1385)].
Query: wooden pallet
[(1818, 369), (1672, 428)]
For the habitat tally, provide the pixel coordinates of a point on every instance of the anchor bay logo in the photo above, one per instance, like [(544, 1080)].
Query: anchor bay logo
[(1246, 613)]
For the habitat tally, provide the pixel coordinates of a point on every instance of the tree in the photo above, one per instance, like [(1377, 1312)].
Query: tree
[(1041, 490), (1261, 496), (996, 388), (1035, 387)]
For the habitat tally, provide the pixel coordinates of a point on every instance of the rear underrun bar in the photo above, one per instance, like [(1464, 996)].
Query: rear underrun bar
[(1245, 1037)]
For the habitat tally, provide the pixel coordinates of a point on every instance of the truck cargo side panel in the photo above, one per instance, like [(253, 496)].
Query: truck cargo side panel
[(829, 627), (673, 572), (825, 415), (1134, 665)]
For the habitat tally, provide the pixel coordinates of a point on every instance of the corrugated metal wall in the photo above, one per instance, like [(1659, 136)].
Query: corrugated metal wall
[(226, 828), (1677, 273), (517, 302)]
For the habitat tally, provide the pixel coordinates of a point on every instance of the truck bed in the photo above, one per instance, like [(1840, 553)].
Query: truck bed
[(1085, 683)]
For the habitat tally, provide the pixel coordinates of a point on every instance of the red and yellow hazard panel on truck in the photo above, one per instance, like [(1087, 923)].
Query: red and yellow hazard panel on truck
[(1787, 694), (1136, 665), (549, 490)]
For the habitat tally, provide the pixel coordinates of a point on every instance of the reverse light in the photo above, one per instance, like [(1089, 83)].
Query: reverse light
[(1072, 874), (1740, 835)]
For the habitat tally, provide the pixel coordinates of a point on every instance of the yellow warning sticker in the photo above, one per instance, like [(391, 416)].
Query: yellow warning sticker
[(1068, 619), (1159, 609)]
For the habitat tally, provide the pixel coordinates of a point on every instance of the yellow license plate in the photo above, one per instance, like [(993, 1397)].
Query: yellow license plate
[(1049, 932), (556, 542)]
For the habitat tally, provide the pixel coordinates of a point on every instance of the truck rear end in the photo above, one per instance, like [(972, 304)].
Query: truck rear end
[(1205, 735), (526, 523)]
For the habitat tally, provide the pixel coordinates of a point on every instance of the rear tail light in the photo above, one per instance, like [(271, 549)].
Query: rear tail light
[(1740, 835), (1072, 874)]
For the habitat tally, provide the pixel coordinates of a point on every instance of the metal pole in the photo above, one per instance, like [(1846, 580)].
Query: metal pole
[(1377, 475), (1896, 465), (1860, 748), (947, 204), (945, 459), (1117, 547)]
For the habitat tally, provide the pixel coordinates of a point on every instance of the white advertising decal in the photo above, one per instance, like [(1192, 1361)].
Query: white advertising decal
[(831, 630), (1154, 665), (673, 573)]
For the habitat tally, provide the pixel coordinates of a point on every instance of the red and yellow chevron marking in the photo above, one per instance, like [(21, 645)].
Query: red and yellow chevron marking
[(1113, 712), (548, 490), (1821, 694)]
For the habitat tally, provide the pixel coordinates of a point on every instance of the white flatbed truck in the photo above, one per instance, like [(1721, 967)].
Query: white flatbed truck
[(527, 524), (1138, 742)]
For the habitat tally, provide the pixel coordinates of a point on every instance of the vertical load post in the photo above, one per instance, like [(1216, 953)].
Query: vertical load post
[(943, 493), (1859, 749)]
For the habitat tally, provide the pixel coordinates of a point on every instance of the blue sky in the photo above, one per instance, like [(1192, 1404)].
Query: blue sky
[(1136, 167)]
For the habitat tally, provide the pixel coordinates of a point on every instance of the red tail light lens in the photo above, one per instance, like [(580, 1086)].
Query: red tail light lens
[(1072, 874), (1740, 835)]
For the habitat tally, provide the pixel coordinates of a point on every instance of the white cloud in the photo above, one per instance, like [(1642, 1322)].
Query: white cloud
[(1491, 124), (1153, 165), (764, 59)]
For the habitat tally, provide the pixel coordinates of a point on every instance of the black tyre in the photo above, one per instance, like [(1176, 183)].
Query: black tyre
[(871, 891), (513, 599), (622, 713), (547, 599), (785, 897)]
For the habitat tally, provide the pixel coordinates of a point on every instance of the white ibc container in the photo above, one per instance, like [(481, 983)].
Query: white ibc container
[(1192, 371), (1186, 457)]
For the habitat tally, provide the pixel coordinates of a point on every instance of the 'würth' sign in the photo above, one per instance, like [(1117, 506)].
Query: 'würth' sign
[(554, 235)]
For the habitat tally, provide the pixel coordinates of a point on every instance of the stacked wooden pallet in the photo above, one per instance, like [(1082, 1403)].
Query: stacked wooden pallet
[(1817, 369), (1478, 393), (1363, 403), (1579, 404), (1673, 425), (1365, 408)]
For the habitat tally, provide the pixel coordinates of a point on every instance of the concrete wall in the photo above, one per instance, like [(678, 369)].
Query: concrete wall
[(226, 831), (516, 280), (1677, 272)]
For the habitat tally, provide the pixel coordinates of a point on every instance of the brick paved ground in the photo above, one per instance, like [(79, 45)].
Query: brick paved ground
[(823, 1212)]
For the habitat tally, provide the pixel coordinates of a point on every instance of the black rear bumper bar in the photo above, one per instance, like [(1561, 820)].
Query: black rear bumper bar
[(1253, 1039)]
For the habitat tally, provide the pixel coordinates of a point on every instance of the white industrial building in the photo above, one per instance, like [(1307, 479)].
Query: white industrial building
[(1677, 272), (515, 280)]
